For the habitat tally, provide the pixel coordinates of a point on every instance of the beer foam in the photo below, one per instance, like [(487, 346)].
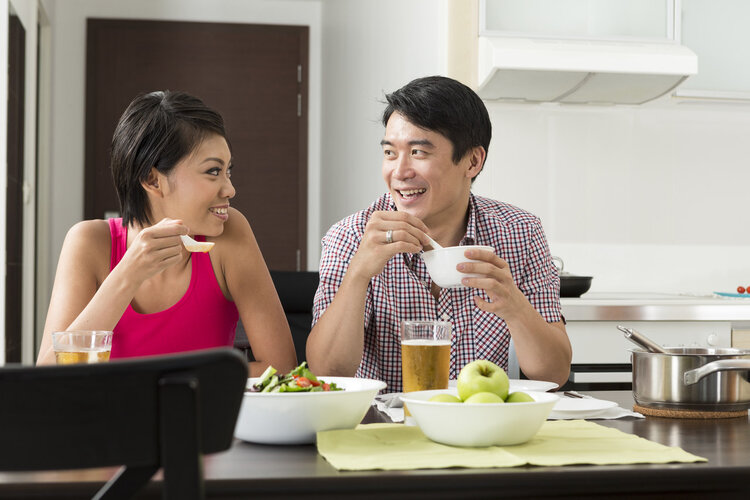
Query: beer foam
[(425, 342)]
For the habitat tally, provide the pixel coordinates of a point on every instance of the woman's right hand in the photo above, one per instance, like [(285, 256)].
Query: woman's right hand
[(154, 249)]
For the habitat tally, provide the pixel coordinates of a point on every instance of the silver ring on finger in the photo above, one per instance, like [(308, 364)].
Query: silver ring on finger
[(389, 236)]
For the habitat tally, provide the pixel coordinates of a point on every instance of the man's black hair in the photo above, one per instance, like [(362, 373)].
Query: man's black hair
[(445, 106)]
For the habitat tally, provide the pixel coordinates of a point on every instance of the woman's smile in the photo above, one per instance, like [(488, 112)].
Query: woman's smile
[(222, 212)]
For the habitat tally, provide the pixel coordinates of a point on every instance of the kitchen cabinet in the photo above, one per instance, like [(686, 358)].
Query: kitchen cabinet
[(594, 19), (717, 32), (741, 338)]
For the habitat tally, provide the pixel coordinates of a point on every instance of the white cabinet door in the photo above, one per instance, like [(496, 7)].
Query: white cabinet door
[(593, 19), (717, 31)]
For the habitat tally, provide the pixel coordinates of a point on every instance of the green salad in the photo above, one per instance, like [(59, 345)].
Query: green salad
[(301, 379)]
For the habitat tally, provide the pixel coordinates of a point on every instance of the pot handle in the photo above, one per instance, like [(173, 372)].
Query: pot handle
[(561, 266), (693, 376)]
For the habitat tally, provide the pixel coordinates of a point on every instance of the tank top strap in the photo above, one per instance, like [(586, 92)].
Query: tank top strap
[(203, 270), (119, 244)]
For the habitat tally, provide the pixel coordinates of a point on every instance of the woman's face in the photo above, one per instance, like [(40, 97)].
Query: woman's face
[(199, 188)]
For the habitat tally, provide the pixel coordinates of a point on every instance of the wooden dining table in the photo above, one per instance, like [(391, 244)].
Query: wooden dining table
[(249, 470)]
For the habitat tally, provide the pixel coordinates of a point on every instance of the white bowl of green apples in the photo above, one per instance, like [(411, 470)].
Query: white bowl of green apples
[(479, 411)]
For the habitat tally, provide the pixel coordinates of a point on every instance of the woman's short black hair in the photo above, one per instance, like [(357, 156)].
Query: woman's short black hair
[(445, 106), (156, 130)]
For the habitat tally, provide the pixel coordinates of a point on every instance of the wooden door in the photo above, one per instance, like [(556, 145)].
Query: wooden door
[(254, 75), (14, 201)]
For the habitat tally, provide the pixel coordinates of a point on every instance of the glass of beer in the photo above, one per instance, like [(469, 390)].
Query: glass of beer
[(425, 355), (82, 346)]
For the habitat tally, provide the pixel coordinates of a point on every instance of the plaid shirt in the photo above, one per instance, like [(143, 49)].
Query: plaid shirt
[(402, 290)]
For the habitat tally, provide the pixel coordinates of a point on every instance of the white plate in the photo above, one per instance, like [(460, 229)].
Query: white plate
[(523, 385), (531, 385), (580, 408)]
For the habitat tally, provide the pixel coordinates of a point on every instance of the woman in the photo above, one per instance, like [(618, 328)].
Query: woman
[(171, 164)]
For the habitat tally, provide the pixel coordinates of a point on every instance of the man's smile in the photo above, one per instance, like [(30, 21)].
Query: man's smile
[(409, 193)]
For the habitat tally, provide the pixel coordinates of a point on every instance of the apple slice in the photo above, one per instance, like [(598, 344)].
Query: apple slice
[(196, 246)]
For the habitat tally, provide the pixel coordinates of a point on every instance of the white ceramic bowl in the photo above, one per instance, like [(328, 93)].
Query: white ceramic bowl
[(295, 417), (441, 264), (479, 424)]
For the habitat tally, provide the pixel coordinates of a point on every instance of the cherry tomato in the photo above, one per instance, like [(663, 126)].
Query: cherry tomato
[(326, 387), (303, 382), (740, 289)]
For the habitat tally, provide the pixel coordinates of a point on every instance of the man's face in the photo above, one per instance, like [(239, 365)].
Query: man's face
[(421, 176)]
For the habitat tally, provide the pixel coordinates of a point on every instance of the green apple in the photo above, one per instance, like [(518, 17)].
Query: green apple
[(519, 397), (482, 376), (444, 398), (484, 397)]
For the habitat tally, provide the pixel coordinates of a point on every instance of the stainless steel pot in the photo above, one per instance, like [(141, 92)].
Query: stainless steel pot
[(692, 378)]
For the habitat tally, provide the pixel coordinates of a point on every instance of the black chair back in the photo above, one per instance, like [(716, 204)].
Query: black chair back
[(296, 290), (143, 414)]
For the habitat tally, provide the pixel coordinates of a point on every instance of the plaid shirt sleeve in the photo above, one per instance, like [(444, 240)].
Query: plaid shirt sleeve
[(541, 283), (338, 247)]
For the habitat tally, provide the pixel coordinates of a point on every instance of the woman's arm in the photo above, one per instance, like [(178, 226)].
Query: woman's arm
[(84, 255), (250, 286), (86, 296)]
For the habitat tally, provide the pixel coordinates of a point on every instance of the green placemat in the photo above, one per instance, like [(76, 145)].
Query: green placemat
[(561, 442)]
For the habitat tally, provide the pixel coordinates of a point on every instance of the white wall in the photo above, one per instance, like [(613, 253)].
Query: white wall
[(370, 47), (644, 198)]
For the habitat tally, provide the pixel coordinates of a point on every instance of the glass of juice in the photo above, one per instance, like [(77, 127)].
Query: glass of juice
[(82, 346), (425, 355)]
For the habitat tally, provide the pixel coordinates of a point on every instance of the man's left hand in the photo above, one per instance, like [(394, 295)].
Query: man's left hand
[(495, 278)]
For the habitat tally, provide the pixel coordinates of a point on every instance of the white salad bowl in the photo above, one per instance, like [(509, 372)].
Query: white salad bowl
[(479, 424), (295, 417), (441, 264)]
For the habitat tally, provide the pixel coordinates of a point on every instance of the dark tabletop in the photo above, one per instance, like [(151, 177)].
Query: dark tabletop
[(262, 471)]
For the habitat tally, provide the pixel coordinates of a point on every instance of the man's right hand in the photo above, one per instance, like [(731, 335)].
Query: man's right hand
[(407, 233)]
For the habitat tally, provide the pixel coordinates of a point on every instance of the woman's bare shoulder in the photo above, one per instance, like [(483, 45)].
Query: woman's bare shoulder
[(236, 229), (90, 237), (90, 230), (237, 244)]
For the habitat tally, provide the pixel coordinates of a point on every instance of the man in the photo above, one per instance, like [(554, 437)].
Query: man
[(437, 132)]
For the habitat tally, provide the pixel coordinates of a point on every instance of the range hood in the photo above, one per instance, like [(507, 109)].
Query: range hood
[(581, 71)]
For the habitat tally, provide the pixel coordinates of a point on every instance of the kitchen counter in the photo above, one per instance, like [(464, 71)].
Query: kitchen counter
[(250, 470), (601, 306)]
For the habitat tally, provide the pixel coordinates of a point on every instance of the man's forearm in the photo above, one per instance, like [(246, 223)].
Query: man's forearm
[(543, 349), (335, 344)]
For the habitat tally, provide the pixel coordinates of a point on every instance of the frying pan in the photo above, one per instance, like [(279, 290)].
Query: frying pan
[(571, 285)]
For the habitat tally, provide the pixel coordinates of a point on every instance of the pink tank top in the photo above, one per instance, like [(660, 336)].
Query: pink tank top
[(201, 319)]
